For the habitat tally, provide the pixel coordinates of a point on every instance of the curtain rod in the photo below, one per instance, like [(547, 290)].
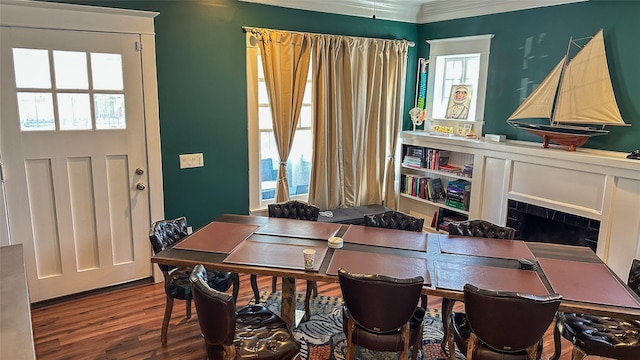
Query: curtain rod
[(252, 28)]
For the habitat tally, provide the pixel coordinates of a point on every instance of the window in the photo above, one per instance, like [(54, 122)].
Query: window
[(72, 93), (263, 153), (457, 61)]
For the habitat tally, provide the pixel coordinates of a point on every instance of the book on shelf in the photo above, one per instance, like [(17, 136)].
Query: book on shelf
[(435, 158), (467, 170), (442, 218), (414, 157), (436, 190), (458, 193), (455, 204), (450, 168), (414, 185)]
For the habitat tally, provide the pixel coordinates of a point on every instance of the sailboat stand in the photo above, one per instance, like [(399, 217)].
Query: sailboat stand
[(577, 97)]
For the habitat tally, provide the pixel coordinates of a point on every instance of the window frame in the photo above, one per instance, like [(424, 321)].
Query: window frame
[(460, 46)]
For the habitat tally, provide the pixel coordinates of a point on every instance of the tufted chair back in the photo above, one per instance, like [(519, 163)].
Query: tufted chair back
[(507, 322), (165, 233), (394, 220), (381, 312), (481, 228), (253, 332), (294, 209)]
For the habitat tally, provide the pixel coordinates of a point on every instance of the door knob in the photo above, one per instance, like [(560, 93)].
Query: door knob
[(140, 186), (139, 171)]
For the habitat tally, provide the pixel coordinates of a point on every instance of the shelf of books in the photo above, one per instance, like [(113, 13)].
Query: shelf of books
[(436, 184)]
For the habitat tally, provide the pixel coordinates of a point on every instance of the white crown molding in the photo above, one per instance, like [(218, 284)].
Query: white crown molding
[(398, 10), (413, 11), (441, 10)]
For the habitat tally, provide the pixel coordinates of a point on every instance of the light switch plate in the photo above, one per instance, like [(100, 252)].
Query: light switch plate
[(191, 160)]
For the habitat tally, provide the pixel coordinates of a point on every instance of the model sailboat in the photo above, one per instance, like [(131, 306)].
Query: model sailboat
[(577, 98)]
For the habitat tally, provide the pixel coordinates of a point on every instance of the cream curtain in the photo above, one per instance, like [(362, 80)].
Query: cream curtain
[(357, 106), (285, 60)]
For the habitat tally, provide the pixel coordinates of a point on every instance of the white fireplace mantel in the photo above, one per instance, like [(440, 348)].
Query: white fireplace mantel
[(596, 184)]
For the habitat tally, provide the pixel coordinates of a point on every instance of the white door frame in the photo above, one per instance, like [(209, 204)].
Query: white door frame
[(58, 16)]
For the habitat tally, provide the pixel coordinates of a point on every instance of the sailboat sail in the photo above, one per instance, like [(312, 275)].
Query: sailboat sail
[(540, 102), (586, 95), (581, 90)]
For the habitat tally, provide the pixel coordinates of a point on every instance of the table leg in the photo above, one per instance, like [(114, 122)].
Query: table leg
[(288, 305)]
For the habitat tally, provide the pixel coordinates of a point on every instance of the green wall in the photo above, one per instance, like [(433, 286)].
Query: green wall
[(200, 50), (202, 84), (548, 31)]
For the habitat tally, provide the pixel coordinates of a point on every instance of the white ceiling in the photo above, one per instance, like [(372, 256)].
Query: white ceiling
[(413, 11)]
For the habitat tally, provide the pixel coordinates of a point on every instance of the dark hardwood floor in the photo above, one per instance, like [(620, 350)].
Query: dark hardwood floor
[(125, 324)]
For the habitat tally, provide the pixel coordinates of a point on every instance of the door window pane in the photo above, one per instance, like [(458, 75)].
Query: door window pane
[(32, 68), (109, 110), (36, 111), (74, 111), (106, 71), (70, 68)]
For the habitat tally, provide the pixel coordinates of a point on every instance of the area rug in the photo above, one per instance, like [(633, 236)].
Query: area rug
[(322, 338)]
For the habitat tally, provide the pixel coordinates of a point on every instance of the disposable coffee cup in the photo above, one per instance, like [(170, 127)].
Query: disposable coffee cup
[(309, 258)]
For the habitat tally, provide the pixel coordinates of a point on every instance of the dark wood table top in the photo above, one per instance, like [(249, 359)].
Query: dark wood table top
[(433, 255)]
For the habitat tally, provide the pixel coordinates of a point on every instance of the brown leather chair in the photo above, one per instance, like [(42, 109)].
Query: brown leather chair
[(252, 332), (601, 336), (481, 228), (501, 324), (164, 234), (394, 220), (381, 313), (475, 228), (299, 210)]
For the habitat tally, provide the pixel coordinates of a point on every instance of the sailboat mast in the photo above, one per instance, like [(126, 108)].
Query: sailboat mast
[(564, 66)]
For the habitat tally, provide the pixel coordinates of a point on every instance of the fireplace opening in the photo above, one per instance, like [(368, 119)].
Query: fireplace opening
[(540, 224)]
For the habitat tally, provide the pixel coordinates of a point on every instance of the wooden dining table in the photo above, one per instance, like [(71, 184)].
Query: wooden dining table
[(273, 247)]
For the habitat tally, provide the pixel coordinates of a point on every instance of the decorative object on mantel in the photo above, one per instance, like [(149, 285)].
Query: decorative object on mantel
[(635, 155), (417, 116), (583, 97)]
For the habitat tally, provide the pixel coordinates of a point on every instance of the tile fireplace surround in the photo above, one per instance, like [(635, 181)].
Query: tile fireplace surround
[(599, 185)]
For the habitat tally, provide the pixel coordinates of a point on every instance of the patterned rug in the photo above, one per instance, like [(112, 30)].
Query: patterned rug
[(322, 338)]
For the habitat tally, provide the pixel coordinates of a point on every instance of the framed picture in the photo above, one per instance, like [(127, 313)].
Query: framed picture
[(459, 101)]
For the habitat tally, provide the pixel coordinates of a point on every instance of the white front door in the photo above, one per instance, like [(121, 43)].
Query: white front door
[(74, 153)]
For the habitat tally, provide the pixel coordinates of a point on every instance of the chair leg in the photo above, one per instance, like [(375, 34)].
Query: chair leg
[(307, 300), (188, 301), (274, 284), (471, 345), (577, 353), (165, 321), (417, 346), (351, 347), (557, 344), (423, 301), (450, 340), (405, 335), (254, 287), (236, 285), (447, 308)]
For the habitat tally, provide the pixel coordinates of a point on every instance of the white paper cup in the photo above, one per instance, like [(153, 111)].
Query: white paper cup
[(309, 258)]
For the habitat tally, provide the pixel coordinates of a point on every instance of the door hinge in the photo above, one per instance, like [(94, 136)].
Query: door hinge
[(139, 46)]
